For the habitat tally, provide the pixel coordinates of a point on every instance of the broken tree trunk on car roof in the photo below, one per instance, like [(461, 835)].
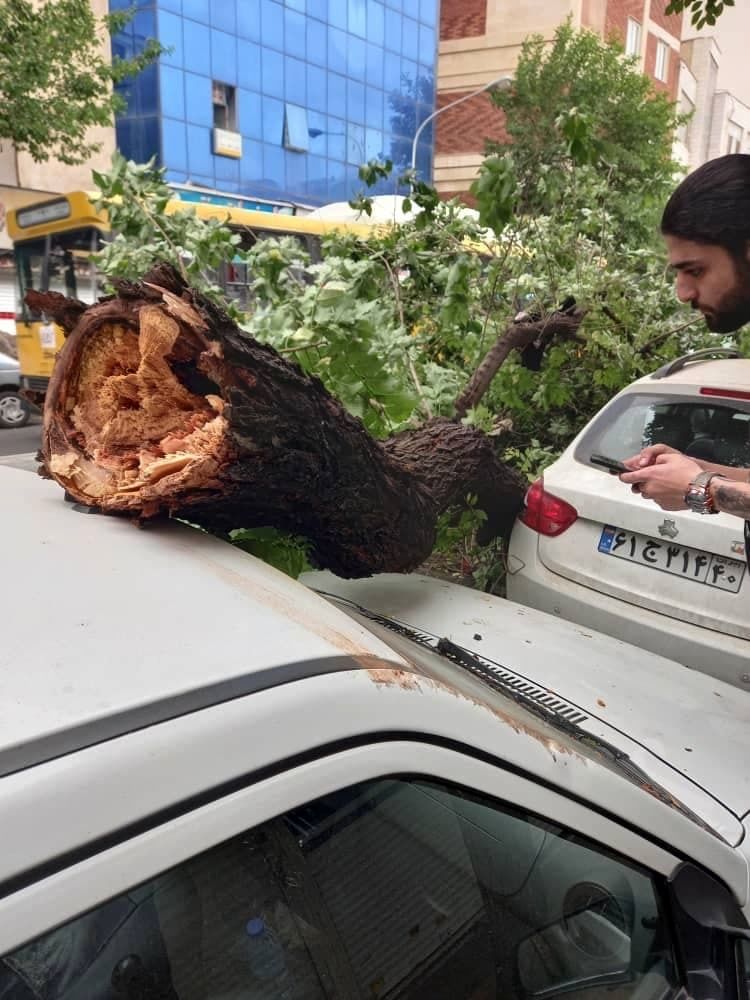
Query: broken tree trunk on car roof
[(159, 405)]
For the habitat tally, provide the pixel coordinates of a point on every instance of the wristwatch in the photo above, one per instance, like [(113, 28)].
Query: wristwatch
[(698, 497)]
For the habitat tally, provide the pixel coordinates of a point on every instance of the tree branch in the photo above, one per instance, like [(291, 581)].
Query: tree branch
[(423, 401), (515, 337)]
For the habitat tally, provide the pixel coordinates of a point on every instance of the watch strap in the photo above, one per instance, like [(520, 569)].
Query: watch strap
[(698, 497)]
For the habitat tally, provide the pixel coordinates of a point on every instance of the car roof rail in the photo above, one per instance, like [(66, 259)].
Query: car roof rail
[(709, 352)]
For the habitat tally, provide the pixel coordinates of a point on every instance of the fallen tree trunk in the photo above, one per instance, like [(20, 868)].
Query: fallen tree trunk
[(159, 405)]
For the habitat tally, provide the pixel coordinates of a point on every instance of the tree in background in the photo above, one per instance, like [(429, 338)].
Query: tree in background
[(579, 109), (409, 105), (702, 12), (581, 187), (56, 79)]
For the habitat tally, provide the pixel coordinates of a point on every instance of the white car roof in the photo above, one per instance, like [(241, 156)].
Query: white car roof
[(96, 603), (108, 624), (730, 373)]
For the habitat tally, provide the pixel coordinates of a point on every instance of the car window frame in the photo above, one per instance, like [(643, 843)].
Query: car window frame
[(111, 871), (108, 872)]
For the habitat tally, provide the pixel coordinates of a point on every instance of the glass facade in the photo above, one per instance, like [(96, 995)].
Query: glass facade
[(313, 87)]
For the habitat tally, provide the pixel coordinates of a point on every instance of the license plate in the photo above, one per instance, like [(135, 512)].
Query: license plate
[(678, 560)]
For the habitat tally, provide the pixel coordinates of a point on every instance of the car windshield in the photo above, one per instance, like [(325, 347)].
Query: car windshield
[(712, 431)]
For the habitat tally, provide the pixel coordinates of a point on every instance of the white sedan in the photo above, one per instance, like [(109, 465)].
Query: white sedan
[(217, 783), (589, 550)]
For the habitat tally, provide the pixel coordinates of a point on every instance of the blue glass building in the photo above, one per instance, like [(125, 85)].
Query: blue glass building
[(280, 99)]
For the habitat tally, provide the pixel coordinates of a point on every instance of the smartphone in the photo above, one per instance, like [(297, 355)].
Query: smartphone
[(611, 464)]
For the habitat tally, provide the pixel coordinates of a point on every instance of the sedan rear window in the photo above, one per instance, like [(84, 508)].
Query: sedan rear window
[(711, 431)]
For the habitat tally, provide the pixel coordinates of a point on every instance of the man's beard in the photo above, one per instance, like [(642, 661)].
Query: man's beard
[(733, 311)]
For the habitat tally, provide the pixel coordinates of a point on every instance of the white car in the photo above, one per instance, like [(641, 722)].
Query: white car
[(218, 784), (588, 549)]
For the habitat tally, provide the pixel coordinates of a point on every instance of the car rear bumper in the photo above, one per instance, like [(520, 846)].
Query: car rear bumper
[(529, 582)]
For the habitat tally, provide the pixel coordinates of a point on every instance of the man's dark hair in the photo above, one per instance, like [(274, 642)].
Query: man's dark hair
[(712, 205)]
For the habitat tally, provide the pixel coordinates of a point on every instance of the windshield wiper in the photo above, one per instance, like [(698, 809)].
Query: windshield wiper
[(532, 697)]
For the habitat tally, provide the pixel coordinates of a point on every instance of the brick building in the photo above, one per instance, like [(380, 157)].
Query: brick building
[(480, 40)]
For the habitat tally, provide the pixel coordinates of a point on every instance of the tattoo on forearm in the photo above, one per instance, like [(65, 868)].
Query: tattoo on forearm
[(732, 499)]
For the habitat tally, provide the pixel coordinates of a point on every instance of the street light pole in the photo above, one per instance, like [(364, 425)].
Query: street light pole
[(502, 83), (315, 132)]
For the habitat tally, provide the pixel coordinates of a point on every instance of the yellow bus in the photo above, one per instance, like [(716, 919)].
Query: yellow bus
[(53, 241)]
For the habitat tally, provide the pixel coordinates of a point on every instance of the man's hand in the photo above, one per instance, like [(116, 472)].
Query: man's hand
[(665, 480), (649, 455)]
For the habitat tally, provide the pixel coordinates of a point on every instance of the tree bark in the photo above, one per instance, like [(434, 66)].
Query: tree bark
[(159, 405)]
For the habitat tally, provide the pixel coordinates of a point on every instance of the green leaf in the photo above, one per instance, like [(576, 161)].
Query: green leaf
[(332, 291)]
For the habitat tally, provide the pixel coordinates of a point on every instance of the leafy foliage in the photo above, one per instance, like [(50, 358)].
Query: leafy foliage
[(702, 12), (56, 78), (458, 553), (286, 552), (135, 197)]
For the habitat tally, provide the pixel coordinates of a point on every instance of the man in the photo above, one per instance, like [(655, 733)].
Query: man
[(706, 227)]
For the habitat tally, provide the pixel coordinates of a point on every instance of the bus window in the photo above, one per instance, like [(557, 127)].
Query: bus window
[(30, 271), (70, 271), (234, 276), (62, 277), (234, 279), (58, 263), (314, 249)]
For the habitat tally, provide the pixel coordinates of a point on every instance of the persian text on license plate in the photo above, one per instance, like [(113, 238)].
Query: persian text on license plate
[(679, 560)]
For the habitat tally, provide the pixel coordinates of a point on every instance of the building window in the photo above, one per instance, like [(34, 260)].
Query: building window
[(225, 106), (296, 133), (633, 38), (734, 139), (661, 67)]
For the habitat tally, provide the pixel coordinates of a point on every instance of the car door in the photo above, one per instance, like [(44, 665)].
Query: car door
[(395, 870)]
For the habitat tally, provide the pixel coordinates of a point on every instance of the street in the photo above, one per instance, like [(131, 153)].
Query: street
[(24, 439)]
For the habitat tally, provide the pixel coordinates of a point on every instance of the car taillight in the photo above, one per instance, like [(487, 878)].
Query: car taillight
[(546, 513)]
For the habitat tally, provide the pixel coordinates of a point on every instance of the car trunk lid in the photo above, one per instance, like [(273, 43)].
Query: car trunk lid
[(679, 564)]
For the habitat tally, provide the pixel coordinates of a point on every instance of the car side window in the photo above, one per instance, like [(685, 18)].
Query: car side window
[(396, 888)]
